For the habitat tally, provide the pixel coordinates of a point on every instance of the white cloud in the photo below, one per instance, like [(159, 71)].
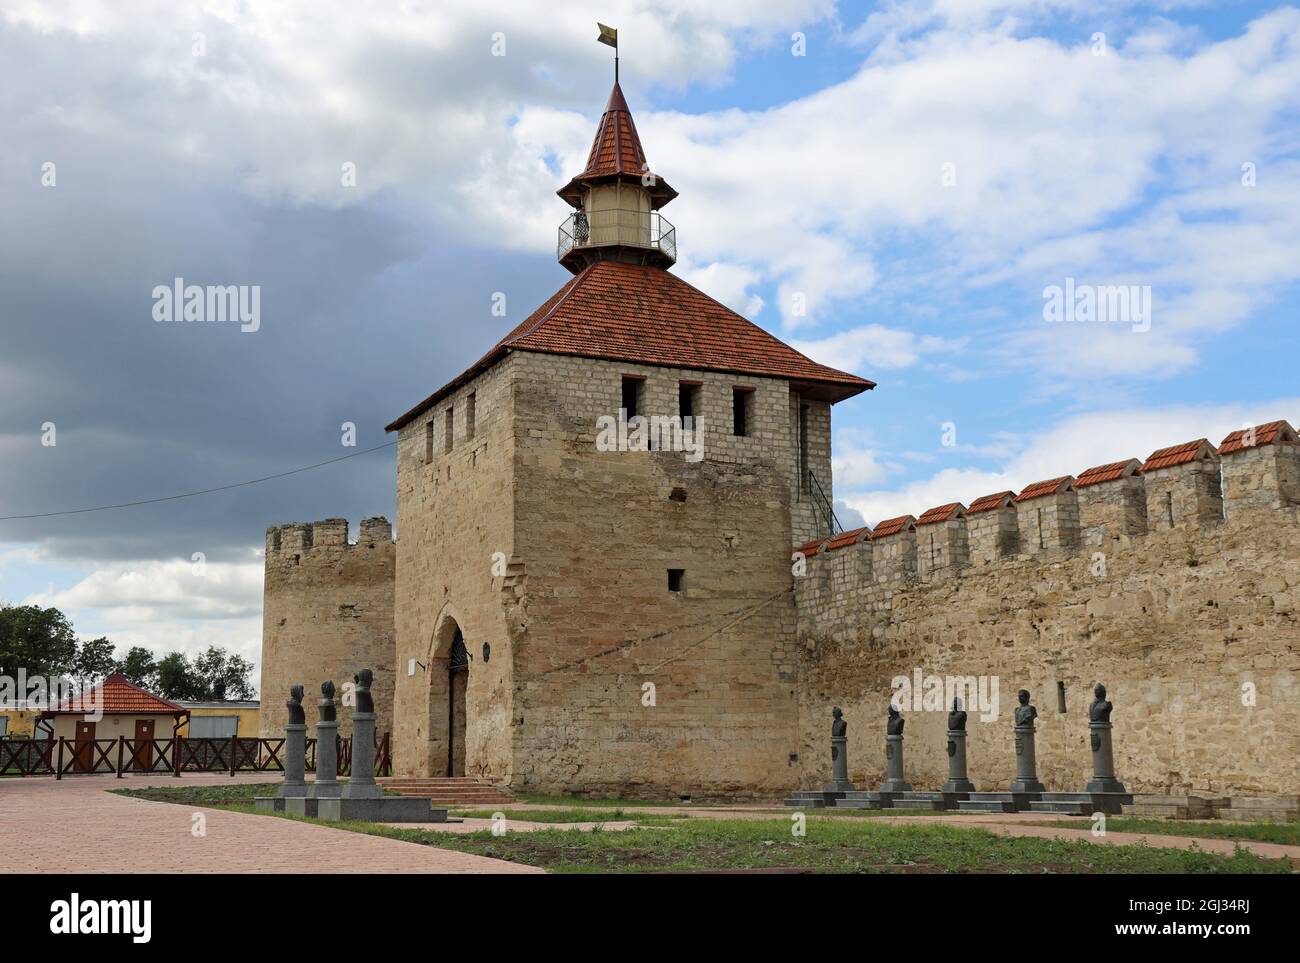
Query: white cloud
[(834, 196), (873, 346), (166, 606), (1073, 445)]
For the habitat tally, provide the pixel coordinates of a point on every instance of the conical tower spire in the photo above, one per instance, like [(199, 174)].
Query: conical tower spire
[(617, 198)]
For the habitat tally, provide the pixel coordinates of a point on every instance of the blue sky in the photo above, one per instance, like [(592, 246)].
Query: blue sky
[(918, 178)]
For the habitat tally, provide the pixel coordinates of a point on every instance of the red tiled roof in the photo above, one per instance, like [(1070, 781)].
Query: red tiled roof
[(1105, 473), (616, 152), (1049, 487), (1275, 432), (645, 315), (989, 502), (116, 695), (892, 526), (1183, 454), (941, 513), (809, 549), (848, 538)]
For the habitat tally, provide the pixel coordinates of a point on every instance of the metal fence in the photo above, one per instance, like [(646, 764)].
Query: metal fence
[(61, 757)]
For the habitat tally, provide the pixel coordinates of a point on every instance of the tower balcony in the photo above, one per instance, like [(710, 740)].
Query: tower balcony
[(641, 237)]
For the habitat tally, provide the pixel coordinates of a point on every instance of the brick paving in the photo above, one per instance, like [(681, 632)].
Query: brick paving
[(77, 826)]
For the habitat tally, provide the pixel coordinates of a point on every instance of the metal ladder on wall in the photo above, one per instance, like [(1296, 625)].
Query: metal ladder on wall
[(823, 504)]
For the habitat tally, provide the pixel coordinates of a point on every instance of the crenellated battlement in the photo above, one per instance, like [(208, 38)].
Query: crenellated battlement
[(327, 611), (1174, 580), (1191, 485), (293, 540)]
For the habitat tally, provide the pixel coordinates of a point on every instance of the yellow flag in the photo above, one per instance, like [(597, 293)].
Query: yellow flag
[(608, 35)]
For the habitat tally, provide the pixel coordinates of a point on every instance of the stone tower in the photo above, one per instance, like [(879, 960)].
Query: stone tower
[(327, 613), (594, 589)]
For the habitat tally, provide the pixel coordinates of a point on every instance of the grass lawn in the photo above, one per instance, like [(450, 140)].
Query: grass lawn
[(836, 845), (604, 814), (1286, 833), (217, 796)]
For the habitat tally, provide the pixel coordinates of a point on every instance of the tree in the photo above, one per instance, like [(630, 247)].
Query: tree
[(140, 667), (93, 661), (174, 680), (37, 640), (221, 675)]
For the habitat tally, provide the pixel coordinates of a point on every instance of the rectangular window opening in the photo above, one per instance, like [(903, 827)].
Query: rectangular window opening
[(447, 441), (690, 399), (740, 411), (633, 395), (470, 404), (430, 433), (1060, 697), (675, 578)]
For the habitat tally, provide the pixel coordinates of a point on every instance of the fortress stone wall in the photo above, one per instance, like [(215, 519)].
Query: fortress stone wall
[(327, 612), (1178, 586)]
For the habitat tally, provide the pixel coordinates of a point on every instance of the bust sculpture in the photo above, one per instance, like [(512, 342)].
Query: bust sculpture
[(1099, 710), (894, 726), (956, 718), (327, 702), (838, 727), (365, 702), (297, 717), (1025, 713)]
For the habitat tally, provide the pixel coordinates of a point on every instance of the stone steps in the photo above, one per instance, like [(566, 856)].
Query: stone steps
[(997, 802), (463, 791), (985, 806)]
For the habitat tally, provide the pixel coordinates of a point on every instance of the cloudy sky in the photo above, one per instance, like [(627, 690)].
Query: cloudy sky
[(891, 187)]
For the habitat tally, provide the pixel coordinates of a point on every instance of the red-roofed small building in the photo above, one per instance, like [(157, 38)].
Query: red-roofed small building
[(1183, 485), (1261, 467), (116, 707)]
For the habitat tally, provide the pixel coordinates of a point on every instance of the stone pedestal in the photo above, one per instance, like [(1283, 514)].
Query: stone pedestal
[(361, 784), (839, 766), (295, 761), (957, 780), (894, 766), (327, 784), (1103, 760), (1026, 763)]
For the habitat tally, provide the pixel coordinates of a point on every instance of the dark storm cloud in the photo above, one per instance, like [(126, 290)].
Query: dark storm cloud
[(364, 310)]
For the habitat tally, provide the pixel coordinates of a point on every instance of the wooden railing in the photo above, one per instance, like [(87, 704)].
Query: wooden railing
[(62, 756)]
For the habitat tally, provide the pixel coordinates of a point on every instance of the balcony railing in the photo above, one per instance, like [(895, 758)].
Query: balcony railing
[(647, 229)]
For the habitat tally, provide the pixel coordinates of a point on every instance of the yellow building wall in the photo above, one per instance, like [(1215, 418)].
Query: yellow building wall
[(21, 721), (247, 725)]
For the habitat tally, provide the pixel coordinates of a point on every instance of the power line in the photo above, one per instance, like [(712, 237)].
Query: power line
[(204, 491)]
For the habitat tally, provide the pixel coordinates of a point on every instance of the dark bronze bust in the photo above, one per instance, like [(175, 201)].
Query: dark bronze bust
[(297, 717), (956, 718), (894, 726), (327, 702), (839, 727), (365, 703), (1025, 713), (1100, 709)]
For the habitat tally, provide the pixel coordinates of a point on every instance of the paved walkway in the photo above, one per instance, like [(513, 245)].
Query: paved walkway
[(77, 826)]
